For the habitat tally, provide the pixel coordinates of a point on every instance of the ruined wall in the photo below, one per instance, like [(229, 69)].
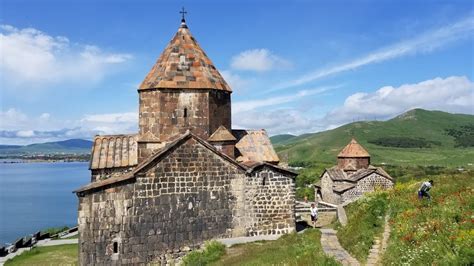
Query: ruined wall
[(173, 206), (327, 191), (219, 110), (270, 202), (367, 184), (353, 163)]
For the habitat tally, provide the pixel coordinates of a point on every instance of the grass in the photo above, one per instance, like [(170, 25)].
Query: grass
[(365, 221), (440, 231), (291, 249), (51, 255), (213, 250), (436, 232)]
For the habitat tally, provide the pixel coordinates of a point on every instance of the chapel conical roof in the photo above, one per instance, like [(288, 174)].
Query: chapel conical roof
[(184, 65), (353, 150)]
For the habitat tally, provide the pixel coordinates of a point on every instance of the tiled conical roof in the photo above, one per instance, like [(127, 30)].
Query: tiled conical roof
[(353, 150), (183, 64)]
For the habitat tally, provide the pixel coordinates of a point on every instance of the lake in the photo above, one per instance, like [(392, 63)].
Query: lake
[(36, 196)]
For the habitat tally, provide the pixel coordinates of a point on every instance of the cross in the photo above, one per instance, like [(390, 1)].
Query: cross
[(183, 13)]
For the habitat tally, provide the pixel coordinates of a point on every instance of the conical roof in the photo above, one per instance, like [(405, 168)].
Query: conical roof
[(182, 65), (353, 150)]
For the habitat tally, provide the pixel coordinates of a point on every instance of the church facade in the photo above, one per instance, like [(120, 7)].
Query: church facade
[(186, 176), (351, 177)]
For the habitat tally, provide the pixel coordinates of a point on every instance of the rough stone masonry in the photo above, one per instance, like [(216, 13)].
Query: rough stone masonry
[(186, 177)]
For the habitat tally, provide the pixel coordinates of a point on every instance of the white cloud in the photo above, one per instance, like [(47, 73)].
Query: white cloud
[(259, 60), (452, 94), (244, 106), (277, 121), (423, 43), (236, 82), (19, 128), (32, 59)]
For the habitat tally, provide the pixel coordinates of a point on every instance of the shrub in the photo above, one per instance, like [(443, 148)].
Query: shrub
[(213, 250)]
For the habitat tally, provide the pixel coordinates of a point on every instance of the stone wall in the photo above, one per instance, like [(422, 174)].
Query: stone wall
[(219, 110), (270, 202), (367, 184), (327, 191), (164, 114), (167, 113), (172, 206), (104, 219)]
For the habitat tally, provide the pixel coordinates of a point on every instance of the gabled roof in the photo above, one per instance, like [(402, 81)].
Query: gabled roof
[(157, 156), (221, 134), (353, 150), (184, 65), (254, 145), (254, 166), (337, 174), (113, 151)]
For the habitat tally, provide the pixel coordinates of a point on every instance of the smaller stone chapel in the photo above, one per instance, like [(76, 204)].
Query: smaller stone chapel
[(186, 177), (351, 177)]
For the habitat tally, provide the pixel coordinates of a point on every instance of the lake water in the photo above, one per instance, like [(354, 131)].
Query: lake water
[(36, 196)]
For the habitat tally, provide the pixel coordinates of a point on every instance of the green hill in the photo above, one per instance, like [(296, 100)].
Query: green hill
[(67, 147), (417, 137), (280, 139)]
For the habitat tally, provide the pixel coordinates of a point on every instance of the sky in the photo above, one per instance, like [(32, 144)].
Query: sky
[(71, 69)]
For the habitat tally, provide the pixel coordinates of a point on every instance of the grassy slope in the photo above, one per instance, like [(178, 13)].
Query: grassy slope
[(366, 220), (52, 255), (291, 249), (283, 138), (440, 232), (430, 125)]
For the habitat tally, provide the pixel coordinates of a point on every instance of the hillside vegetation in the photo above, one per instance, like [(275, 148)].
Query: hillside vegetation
[(437, 232), (417, 137)]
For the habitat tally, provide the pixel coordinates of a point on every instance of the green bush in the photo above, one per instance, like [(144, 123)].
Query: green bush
[(213, 250), (403, 142), (365, 221)]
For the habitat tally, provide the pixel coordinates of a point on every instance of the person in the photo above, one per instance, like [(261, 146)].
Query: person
[(314, 214), (425, 187)]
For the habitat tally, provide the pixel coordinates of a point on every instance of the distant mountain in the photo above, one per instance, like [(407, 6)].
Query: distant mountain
[(66, 146), (278, 139), (417, 137)]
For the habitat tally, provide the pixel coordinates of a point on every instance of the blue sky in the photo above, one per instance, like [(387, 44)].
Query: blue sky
[(70, 69)]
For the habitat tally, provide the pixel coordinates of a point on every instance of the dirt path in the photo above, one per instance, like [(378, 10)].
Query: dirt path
[(332, 247)]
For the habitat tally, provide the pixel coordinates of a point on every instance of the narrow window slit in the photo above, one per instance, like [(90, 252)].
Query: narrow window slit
[(115, 247)]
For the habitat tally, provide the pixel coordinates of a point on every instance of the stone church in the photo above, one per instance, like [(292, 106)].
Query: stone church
[(186, 177), (351, 177)]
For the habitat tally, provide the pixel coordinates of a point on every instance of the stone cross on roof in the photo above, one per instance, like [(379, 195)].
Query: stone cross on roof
[(183, 13)]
